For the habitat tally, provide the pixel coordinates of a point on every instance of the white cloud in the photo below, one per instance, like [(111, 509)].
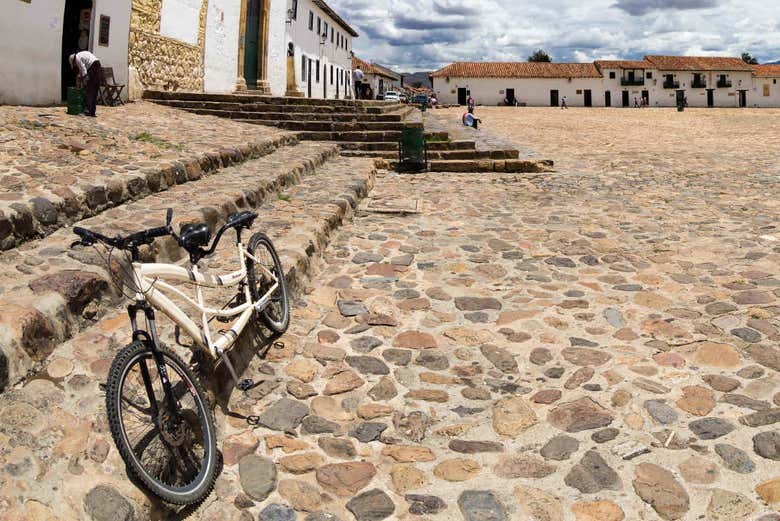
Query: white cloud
[(427, 34)]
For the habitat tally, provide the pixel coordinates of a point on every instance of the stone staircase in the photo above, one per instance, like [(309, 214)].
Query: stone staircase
[(50, 292), (360, 128)]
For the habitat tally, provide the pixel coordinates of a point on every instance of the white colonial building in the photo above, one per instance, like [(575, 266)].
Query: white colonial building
[(322, 46), (533, 84), (377, 79), (662, 81), (766, 81), (37, 36)]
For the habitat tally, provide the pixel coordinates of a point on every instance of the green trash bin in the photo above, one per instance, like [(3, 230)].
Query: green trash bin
[(75, 101), (412, 150)]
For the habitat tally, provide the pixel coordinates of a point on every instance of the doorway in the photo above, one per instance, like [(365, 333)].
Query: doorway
[(510, 97), (607, 99), (743, 98), (626, 98), (308, 76), (325, 81), (710, 97), (462, 95), (680, 97), (77, 23), (252, 43), (646, 97), (554, 98), (588, 98)]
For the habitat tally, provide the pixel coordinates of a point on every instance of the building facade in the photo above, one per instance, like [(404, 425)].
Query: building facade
[(766, 79), (661, 81), (36, 38), (322, 49), (376, 78)]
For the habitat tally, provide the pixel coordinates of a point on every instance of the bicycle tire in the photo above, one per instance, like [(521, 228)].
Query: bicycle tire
[(276, 324), (200, 488)]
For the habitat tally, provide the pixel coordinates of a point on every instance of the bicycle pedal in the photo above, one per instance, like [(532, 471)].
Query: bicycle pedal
[(245, 385), (278, 345)]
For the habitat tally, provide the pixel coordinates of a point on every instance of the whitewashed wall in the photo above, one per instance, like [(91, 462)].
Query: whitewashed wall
[(221, 54), (307, 46), (756, 97), (534, 92), (277, 47), (180, 19), (113, 55), (31, 46)]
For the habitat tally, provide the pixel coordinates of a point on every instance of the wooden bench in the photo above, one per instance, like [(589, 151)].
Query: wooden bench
[(110, 92)]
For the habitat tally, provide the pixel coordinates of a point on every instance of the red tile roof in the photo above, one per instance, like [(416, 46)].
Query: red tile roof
[(518, 70), (767, 71), (370, 68), (698, 63), (623, 64)]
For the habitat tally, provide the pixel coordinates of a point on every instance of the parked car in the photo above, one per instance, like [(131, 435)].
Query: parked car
[(392, 95), (420, 99)]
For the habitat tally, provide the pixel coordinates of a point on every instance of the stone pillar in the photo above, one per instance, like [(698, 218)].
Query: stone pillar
[(263, 87), (240, 81), (292, 84)]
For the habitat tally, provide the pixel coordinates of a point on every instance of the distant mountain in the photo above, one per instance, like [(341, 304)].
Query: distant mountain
[(773, 63), (411, 78)]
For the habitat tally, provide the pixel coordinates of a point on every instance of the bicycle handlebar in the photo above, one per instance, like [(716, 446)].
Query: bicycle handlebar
[(89, 237)]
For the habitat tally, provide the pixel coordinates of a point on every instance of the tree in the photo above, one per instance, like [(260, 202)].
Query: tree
[(747, 58), (540, 55)]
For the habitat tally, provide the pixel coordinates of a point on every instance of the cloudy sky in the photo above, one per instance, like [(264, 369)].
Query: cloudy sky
[(412, 35)]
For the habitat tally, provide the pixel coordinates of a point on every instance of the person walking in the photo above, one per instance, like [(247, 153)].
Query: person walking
[(564, 106), (89, 73), (357, 80), (470, 102)]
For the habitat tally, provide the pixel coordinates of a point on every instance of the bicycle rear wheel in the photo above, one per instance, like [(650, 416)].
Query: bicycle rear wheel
[(276, 313), (171, 449)]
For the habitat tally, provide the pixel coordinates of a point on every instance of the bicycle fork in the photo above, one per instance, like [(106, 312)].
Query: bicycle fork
[(149, 337)]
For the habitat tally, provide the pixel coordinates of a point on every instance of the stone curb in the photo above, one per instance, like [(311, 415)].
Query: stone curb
[(31, 326), (41, 216)]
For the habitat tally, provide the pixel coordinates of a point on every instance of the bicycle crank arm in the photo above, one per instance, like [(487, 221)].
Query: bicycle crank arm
[(263, 302)]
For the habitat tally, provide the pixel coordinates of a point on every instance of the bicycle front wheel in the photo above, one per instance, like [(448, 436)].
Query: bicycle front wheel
[(169, 445), (263, 274)]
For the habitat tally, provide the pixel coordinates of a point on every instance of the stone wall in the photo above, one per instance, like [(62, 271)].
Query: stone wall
[(159, 62)]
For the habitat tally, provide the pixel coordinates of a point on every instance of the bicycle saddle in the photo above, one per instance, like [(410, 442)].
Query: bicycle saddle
[(194, 235), (240, 220)]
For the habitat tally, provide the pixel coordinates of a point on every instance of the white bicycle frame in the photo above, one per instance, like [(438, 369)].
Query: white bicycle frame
[(151, 280)]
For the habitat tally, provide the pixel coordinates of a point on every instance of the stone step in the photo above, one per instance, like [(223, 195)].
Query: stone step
[(234, 107), (327, 126), (201, 100), (298, 116), (50, 292), (438, 154), (65, 400), (393, 146), (248, 97), (40, 216), (367, 136), (489, 165)]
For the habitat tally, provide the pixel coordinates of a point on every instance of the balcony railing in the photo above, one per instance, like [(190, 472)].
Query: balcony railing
[(700, 84), (724, 84), (632, 81), (671, 84)]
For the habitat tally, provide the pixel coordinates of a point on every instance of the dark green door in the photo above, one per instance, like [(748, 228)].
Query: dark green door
[(251, 43)]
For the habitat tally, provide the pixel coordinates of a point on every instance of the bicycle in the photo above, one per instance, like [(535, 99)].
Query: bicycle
[(175, 454)]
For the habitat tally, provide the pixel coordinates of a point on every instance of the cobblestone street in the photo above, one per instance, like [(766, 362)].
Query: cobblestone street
[(596, 344)]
